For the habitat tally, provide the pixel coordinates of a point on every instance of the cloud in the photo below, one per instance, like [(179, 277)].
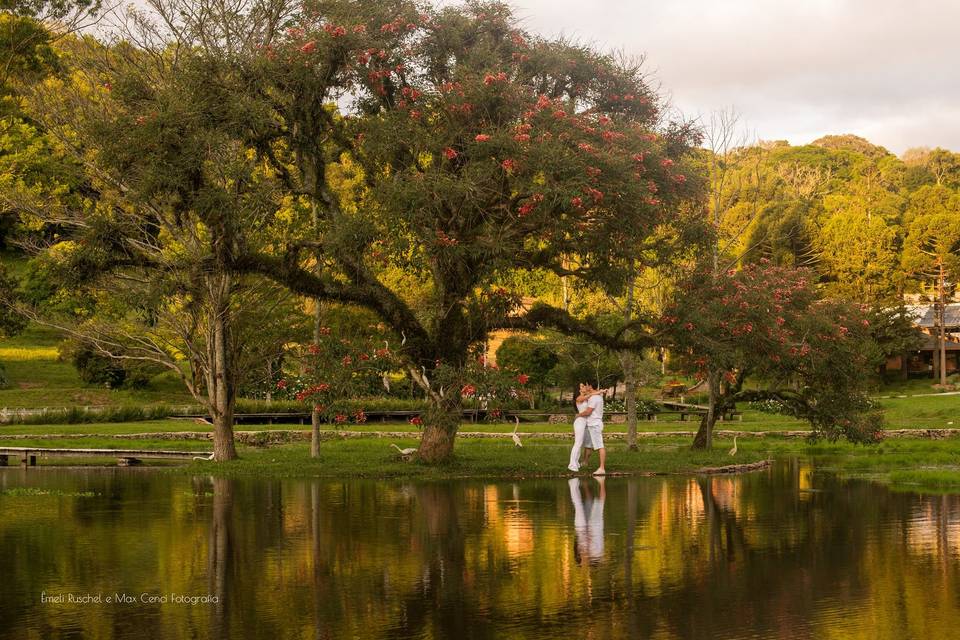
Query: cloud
[(884, 69)]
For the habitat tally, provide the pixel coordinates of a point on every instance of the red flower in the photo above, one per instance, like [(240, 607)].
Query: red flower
[(468, 390), (666, 162), (340, 418), (310, 47), (416, 420), (576, 201), (679, 178), (522, 137), (482, 137), (596, 194), (543, 102), (509, 165), (281, 384), (359, 416), (347, 361), (449, 153), (523, 378)]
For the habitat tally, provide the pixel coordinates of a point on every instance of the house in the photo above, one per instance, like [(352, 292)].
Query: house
[(922, 361)]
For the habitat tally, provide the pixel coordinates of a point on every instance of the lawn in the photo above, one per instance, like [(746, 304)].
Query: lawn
[(38, 378)]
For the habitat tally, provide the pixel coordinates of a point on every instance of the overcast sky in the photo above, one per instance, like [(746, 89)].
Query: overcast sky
[(887, 70)]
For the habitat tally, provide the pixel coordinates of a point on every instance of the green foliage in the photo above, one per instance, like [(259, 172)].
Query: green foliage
[(11, 323), (583, 361), (531, 357), (94, 368)]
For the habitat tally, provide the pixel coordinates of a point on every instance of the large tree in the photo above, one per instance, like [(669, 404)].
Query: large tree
[(172, 195), (474, 150)]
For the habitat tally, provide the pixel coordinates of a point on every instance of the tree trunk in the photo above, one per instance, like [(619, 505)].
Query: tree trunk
[(628, 362), (936, 363), (441, 423), (314, 414), (220, 377), (704, 437), (436, 443), (942, 337)]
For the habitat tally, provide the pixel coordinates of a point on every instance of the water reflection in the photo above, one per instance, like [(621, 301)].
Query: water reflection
[(588, 520), (785, 553)]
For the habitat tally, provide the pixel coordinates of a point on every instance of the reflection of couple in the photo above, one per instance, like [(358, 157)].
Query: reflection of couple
[(588, 429), (587, 521)]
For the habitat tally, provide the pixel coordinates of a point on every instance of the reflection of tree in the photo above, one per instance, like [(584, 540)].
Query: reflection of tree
[(220, 556), (441, 601), (321, 574)]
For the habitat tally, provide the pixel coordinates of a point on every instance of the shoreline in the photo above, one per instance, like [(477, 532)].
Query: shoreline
[(927, 460)]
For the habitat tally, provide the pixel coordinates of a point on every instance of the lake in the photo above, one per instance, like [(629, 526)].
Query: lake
[(785, 553)]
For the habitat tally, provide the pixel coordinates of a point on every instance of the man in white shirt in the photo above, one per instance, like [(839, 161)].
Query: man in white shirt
[(593, 436)]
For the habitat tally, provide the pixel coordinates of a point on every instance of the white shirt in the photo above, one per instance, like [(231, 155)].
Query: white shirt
[(595, 419)]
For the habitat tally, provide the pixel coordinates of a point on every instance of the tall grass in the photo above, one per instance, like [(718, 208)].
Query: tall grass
[(84, 415)]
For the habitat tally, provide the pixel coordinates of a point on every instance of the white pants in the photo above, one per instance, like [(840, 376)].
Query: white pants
[(579, 430)]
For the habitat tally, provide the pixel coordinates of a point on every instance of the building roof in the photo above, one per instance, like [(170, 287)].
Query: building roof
[(923, 315), (929, 343)]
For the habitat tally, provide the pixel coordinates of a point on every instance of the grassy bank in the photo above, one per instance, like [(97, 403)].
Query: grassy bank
[(908, 463)]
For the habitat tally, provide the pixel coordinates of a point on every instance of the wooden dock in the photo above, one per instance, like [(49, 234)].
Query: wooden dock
[(125, 457)]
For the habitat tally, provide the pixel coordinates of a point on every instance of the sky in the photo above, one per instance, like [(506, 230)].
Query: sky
[(886, 70)]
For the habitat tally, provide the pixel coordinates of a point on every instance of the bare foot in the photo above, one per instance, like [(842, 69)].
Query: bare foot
[(600, 472)]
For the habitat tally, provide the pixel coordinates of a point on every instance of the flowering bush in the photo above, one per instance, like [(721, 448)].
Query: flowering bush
[(483, 385), (335, 371)]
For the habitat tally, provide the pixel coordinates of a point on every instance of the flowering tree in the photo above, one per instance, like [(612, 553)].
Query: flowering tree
[(464, 149), (765, 323)]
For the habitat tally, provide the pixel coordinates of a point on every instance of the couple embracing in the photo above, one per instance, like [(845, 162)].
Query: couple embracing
[(588, 429)]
